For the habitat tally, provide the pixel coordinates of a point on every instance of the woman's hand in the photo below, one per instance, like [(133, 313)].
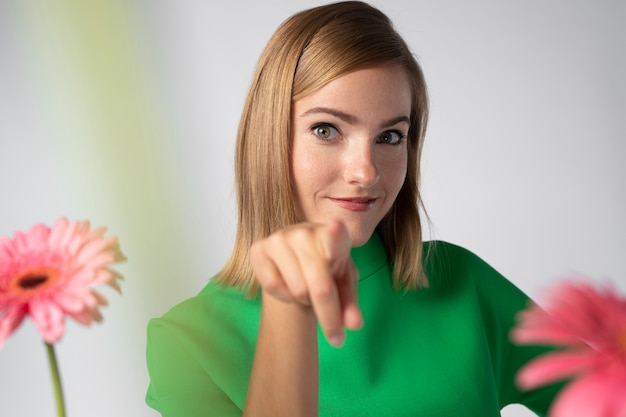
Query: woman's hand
[(310, 265)]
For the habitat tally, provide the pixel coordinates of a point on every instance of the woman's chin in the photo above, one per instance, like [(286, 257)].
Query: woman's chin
[(359, 236)]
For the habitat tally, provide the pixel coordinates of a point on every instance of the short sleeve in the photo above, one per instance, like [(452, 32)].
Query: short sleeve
[(180, 386), (501, 301)]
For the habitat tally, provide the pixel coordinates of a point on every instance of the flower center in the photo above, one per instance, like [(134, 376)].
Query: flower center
[(31, 281), (34, 279)]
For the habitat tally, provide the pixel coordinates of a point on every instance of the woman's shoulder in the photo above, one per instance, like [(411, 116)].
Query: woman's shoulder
[(444, 261), (213, 304), (444, 251), (202, 344)]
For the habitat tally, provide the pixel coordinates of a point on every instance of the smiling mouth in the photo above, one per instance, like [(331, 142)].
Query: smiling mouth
[(355, 204)]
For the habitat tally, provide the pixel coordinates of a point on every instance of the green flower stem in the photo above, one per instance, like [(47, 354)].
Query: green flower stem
[(56, 380)]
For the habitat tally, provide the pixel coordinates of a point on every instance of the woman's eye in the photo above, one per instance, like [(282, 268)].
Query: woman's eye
[(391, 137), (325, 131)]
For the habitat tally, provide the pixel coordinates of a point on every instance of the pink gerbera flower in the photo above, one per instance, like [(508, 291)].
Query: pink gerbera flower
[(47, 273), (588, 325)]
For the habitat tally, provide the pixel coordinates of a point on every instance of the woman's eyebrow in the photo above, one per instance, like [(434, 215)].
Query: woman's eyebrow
[(348, 118), (397, 120), (351, 119)]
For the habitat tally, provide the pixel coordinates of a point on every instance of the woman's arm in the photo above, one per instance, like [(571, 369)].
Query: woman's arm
[(307, 276), (285, 375)]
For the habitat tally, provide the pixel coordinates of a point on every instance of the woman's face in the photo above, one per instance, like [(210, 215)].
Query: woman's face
[(349, 150)]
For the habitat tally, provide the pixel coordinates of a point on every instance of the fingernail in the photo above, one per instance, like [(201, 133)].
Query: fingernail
[(337, 340)]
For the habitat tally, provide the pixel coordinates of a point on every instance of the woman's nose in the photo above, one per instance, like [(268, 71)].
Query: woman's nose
[(360, 165)]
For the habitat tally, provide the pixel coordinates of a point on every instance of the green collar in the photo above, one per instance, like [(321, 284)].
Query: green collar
[(370, 257)]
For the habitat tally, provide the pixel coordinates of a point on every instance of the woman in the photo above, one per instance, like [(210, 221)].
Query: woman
[(329, 233)]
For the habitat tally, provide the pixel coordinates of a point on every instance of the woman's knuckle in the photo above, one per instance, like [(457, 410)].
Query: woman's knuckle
[(323, 292), (301, 294)]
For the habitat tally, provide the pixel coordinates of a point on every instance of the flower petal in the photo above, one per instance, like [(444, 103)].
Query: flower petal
[(11, 321), (70, 301), (48, 318), (7, 251), (101, 260), (59, 233), (552, 367), (87, 316), (91, 249), (32, 241), (81, 237), (597, 395), (113, 281), (545, 335)]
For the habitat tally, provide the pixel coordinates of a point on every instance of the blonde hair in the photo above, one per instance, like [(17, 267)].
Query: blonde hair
[(309, 50)]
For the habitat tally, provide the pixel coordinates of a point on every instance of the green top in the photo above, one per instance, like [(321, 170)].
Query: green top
[(438, 352)]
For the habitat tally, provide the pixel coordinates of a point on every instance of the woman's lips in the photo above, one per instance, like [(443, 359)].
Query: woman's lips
[(354, 204)]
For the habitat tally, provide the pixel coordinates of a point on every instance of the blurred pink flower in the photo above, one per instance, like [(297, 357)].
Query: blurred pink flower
[(588, 325), (47, 273)]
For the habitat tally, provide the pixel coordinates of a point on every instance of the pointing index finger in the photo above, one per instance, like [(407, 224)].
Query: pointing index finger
[(339, 310)]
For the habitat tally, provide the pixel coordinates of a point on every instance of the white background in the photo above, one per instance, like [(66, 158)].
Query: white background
[(522, 165)]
